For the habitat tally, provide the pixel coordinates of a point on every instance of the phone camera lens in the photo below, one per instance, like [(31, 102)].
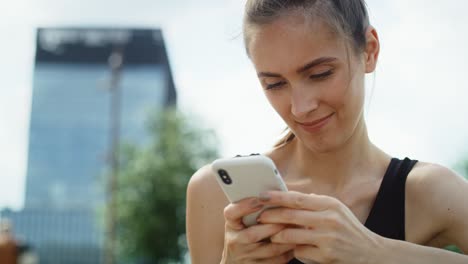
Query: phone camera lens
[(224, 176)]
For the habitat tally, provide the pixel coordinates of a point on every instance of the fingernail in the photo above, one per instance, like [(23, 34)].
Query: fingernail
[(264, 197)]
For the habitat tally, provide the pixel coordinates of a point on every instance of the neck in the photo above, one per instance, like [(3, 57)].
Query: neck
[(337, 168)]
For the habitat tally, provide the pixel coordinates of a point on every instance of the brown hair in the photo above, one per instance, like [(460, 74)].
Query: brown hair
[(347, 18)]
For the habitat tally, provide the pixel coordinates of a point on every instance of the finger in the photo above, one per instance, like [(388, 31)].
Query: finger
[(299, 236), (303, 218), (234, 212), (257, 233), (269, 250), (298, 200), (281, 259), (311, 253)]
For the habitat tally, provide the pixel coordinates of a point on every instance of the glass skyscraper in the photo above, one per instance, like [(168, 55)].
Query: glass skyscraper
[(70, 129)]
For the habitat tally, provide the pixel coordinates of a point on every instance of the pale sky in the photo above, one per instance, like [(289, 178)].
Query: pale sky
[(417, 108)]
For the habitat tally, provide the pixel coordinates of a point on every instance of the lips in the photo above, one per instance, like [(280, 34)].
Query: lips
[(315, 122), (316, 125)]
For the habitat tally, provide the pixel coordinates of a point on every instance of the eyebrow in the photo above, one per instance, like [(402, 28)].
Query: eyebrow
[(301, 69)]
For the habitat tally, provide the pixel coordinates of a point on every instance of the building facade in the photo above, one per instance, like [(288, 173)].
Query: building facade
[(71, 130)]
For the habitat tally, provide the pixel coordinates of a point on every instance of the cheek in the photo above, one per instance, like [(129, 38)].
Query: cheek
[(338, 93), (352, 101), (346, 98), (356, 93)]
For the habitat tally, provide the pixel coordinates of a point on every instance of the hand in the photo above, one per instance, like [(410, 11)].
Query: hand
[(322, 227), (249, 244)]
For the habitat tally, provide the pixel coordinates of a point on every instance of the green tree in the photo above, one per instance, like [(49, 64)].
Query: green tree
[(462, 168), (152, 188)]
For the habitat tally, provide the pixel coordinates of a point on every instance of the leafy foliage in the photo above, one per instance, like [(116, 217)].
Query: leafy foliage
[(462, 168), (454, 249), (152, 187)]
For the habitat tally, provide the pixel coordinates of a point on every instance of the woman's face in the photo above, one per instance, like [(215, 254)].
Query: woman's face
[(310, 79)]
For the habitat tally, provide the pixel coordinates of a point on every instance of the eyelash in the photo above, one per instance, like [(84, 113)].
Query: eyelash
[(317, 77), (322, 75), (275, 85)]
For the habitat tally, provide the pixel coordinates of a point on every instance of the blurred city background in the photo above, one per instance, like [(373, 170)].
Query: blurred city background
[(108, 107)]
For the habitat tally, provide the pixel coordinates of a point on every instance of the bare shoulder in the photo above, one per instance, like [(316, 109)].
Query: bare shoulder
[(205, 220), (432, 175), (205, 195), (203, 180), (436, 198), (433, 180)]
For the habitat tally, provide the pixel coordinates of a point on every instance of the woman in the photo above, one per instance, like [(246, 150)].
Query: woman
[(349, 201)]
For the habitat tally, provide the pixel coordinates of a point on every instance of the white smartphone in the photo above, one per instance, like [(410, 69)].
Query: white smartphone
[(247, 176)]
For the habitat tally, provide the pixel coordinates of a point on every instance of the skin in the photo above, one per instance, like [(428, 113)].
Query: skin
[(333, 173)]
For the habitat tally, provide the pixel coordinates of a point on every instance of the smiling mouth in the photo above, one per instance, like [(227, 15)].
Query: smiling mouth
[(315, 122)]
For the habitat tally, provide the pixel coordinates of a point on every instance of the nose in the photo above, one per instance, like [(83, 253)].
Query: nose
[(303, 101)]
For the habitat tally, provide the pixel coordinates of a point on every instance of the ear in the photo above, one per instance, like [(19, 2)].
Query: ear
[(372, 49)]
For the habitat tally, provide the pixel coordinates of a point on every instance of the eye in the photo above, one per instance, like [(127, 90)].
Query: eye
[(321, 76), (275, 85)]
